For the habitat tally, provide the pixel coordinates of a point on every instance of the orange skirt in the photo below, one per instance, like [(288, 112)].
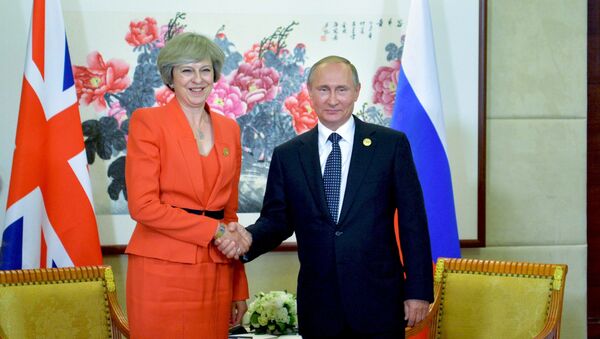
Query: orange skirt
[(174, 300)]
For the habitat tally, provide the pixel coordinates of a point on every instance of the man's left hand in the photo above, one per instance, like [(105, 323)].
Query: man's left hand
[(415, 311)]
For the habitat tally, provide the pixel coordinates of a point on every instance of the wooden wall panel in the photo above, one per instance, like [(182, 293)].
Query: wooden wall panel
[(593, 170)]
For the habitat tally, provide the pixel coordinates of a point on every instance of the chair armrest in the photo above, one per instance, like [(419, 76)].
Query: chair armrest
[(119, 319), (551, 327)]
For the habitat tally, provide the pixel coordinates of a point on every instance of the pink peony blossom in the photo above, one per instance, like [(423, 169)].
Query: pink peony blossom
[(163, 95), (303, 115), (226, 100), (93, 82), (252, 55), (385, 83), (117, 112), (160, 43), (256, 82), (142, 32)]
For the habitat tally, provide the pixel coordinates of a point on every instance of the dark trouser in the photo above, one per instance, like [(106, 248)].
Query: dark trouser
[(349, 333), (359, 336)]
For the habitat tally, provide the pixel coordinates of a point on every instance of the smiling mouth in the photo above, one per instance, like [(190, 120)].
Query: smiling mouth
[(196, 90)]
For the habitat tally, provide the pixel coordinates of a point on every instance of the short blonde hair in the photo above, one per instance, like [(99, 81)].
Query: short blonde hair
[(188, 48)]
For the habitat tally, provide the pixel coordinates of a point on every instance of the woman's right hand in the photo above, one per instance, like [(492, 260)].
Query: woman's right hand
[(235, 242)]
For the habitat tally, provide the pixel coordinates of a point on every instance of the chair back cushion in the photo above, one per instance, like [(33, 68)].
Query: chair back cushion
[(57, 309), (493, 305)]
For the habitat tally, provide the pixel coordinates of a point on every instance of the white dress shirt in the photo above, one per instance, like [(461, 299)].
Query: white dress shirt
[(346, 131)]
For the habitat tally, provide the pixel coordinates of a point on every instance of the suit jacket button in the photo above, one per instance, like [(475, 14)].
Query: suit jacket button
[(338, 233)]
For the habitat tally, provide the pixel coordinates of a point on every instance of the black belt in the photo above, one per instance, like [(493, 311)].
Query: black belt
[(211, 214)]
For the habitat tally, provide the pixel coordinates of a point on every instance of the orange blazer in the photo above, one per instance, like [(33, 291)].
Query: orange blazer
[(163, 171)]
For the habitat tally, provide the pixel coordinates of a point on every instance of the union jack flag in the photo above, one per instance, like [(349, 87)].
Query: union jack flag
[(50, 219)]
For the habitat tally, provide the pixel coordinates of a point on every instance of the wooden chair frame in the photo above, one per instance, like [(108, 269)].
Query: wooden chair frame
[(557, 272), (119, 324)]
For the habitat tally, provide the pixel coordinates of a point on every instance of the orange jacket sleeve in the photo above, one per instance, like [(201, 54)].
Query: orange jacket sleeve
[(240, 282), (232, 204)]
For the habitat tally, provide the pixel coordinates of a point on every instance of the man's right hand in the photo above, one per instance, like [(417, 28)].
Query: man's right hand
[(235, 242)]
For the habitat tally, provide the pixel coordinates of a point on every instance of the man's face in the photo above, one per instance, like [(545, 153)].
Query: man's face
[(333, 93)]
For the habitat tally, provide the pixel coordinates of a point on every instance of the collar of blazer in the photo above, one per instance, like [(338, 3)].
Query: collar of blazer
[(224, 136), (362, 153), (219, 123)]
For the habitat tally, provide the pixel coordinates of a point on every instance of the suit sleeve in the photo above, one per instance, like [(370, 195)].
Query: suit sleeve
[(142, 173), (412, 223), (232, 204), (273, 226)]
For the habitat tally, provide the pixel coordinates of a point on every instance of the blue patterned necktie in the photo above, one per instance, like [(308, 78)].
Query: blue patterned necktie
[(332, 176)]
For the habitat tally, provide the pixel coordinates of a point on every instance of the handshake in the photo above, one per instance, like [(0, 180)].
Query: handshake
[(235, 241)]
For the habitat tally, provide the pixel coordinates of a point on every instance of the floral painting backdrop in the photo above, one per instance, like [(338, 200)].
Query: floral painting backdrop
[(263, 88), (269, 47)]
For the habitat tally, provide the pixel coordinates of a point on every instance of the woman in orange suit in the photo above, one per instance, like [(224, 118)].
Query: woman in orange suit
[(182, 172)]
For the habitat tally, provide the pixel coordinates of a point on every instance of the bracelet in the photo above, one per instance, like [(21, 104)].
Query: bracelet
[(220, 231)]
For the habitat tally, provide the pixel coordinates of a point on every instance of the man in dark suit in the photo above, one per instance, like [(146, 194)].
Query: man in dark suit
[(352, 283)]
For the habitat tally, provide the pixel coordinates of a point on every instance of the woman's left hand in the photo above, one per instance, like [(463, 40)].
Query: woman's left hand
[(238, 308)]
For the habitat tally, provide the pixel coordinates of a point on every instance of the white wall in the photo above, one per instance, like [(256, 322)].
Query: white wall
[(14, 21)]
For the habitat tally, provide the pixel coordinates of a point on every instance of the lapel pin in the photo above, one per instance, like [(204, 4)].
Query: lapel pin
[(367, 142), (225, 151)]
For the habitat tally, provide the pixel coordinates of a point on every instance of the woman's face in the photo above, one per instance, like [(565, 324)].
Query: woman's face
[(192, 83)]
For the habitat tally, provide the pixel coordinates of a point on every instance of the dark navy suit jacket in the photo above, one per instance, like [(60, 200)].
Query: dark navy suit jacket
[(350, 273)]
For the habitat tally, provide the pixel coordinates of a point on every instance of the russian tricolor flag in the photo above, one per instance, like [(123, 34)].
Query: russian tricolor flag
[(50, 220), (418, 113)]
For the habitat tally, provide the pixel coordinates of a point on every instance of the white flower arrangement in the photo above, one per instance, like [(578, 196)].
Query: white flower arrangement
[(274, 313)]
